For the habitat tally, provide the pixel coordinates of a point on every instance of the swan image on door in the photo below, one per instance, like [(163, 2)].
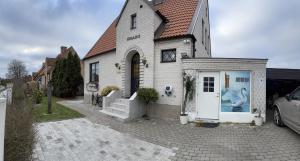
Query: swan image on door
[(237, 99)]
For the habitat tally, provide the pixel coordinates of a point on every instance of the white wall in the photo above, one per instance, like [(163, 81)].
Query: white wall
[(2, 126), (147, 23), (257, 67), (170, 73), (107, 72), (196, 29)]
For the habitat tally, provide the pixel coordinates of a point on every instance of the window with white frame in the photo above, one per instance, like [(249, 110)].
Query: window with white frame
[(94, 72), (209, 84)]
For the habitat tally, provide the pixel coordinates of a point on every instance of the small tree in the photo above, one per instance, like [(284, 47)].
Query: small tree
[(189, 84), (147, 95), (16, 70)]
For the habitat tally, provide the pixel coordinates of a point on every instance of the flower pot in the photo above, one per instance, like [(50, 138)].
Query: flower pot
[(258, 121), (184, 119)]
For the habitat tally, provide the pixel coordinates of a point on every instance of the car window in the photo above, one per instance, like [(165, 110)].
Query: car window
[(296, 95)]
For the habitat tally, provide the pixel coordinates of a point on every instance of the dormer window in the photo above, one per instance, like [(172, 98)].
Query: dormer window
[(133, 22)]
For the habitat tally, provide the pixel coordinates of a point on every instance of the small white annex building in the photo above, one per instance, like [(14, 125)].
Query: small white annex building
[(162, 43)]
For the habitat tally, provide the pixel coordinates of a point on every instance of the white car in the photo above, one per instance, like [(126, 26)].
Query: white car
[(287, 111)]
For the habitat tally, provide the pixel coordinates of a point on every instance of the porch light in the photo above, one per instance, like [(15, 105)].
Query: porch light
[(118, 66), (144, 61)]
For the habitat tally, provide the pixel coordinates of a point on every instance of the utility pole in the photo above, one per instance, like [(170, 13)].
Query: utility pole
[(49, 94)]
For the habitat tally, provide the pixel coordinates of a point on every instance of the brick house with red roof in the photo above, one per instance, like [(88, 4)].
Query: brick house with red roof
[(44, 75), (153, 44)]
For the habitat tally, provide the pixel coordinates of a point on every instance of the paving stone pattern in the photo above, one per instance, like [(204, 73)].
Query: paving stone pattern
[(82, 140), (228, 142)]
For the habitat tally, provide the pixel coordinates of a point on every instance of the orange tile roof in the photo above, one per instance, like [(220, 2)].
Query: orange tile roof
[(179, 15), (106, 42)]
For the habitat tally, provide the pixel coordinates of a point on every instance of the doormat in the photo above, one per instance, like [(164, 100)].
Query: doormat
[(207, 125)]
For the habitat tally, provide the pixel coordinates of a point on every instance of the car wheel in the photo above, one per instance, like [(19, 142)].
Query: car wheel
[(277, 117)]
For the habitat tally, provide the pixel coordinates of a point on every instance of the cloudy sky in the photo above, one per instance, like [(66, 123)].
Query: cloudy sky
[(30, 30)]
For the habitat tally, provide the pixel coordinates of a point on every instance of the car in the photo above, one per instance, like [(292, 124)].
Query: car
[(287, 111)]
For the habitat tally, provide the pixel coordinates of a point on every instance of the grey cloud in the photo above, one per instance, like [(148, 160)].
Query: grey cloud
[(48, 24), (255, 28), (239, 28)]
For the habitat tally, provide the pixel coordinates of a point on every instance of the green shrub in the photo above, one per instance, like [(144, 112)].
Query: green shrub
[(37, 96), (108, 89), (147, 95), (20, 133)]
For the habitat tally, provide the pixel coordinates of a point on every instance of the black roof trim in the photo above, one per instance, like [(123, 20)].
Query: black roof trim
[(177, 37), (105, 52)]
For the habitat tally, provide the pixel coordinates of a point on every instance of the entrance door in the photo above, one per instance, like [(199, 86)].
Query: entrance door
[(135, 73), (208, 93)]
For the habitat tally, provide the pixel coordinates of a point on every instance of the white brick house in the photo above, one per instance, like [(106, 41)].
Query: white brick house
[(151, 44)]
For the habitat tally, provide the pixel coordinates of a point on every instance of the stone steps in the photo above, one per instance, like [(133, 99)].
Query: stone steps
[(120, 106), (118, 109), (117, 116), (121, 100)]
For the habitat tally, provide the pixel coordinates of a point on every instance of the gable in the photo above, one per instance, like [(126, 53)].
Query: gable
[(106, 43), (177, 16)]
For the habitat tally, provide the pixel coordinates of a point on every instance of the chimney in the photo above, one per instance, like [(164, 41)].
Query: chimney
[(63, 49)]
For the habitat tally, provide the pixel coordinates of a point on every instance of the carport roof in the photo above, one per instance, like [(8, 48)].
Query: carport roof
[(283, 74)]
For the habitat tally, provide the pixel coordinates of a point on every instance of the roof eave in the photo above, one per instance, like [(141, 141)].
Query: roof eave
[(176, 37), (105, 52)]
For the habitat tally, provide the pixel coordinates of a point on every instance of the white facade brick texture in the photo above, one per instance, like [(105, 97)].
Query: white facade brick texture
[(147, 23), (170, 74), (107, 72)]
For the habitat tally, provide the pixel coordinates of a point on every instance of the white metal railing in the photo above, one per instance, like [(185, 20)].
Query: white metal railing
[(3, 93), (2, 126)]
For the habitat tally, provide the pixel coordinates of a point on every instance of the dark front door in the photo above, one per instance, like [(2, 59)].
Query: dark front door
[(135, 73)]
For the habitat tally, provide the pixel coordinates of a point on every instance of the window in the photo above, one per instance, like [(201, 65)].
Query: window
[(202, 31), (242, 79), (296, 95), (205, 39), (168, 56), (133, 22), (94, 72), (208, 84)]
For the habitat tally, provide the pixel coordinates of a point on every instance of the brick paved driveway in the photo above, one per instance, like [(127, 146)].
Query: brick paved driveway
[(226, 142), (82, 140)]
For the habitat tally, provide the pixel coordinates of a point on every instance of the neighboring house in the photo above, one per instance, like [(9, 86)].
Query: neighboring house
[(155, 44), (44, 75)]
